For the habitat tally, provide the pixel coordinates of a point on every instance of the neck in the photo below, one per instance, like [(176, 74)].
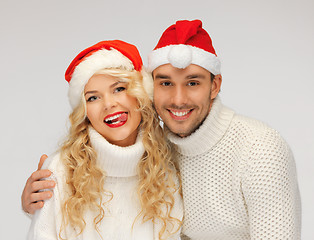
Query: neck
[(115, 160), (129, 141), (209, 132)]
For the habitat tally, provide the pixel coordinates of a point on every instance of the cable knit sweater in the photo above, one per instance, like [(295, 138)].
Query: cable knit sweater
[(238, 180), (120, 165)]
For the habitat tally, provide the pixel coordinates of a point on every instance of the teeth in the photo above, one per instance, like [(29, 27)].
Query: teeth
[(180, 114), (115, 122), (113, 117)]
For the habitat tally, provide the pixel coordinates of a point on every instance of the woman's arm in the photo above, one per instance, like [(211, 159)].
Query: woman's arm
[(33, 197), (46, 223)]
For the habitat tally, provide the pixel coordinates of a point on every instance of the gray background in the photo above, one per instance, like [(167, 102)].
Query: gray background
[(266, 49)]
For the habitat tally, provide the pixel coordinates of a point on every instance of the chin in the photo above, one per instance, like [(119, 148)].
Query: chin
[(180, 133)]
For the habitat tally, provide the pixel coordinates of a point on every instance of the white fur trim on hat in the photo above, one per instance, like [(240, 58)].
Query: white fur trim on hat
[(181, 56), (86, 69)]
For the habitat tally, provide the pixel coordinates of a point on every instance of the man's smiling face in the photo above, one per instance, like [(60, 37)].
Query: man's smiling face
[(183, 97)]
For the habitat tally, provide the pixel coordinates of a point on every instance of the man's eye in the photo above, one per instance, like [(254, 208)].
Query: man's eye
[(92, 98), (166, 84), (119, 89), (193, 83)]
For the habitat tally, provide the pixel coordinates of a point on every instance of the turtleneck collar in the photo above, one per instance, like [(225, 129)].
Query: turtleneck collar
[(116, 161), (208, 134)]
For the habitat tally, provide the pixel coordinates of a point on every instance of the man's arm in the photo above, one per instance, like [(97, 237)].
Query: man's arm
[(31, 198), (271, 191)]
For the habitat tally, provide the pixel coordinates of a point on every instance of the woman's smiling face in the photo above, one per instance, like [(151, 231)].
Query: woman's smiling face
[(111, 111)]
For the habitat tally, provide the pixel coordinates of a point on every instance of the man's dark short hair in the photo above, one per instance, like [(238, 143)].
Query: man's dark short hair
[(212, 76)]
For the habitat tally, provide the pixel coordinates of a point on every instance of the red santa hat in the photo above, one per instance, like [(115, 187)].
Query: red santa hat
[(105, 54), (182, 44)]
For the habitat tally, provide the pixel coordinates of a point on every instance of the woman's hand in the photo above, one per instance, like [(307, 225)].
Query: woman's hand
[(31, 198)]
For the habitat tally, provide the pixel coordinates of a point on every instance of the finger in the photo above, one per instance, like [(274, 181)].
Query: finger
[(39, 174), (34, 206), (40, 196), (41, 161), (42, 185)]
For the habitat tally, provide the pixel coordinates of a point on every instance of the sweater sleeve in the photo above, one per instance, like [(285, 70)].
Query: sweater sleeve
[(46, 221), (270, 189)]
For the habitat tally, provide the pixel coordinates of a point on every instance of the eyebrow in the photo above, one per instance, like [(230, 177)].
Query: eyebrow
[(162, 76), (111, 86), (115, 84), (90, 92), (192, 76)]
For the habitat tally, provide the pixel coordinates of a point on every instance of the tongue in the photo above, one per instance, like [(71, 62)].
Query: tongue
[(122, 118)]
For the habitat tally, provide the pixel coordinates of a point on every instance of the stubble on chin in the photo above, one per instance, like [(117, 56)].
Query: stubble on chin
[(188, 131)]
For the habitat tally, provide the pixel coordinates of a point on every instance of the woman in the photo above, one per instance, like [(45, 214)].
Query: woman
[(114, 174)]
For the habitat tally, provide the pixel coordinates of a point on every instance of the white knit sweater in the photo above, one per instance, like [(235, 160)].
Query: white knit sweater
[(120, 164), (239, 180)]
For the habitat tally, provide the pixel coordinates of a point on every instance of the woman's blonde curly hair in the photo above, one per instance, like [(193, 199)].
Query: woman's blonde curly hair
[(156, 170)]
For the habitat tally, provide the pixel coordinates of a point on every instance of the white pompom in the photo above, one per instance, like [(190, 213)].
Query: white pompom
[(180, 56)]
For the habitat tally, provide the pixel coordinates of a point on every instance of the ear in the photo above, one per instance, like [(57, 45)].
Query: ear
[(216, 84)]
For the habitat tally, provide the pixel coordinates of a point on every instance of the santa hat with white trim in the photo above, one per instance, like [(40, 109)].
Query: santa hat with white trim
[(105, 54), (182, 44)]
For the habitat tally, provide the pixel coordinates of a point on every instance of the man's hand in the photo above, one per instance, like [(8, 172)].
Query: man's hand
[(32, 200)]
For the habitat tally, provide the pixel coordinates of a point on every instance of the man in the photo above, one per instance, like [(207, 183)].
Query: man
[(238, 175)]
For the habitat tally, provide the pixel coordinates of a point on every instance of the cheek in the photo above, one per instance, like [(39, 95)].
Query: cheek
[(202, 98), (159, 98), (138, 118), (203, 101), (130, 102), (88, 113), (202, 95), (91, 112), (136, 114)]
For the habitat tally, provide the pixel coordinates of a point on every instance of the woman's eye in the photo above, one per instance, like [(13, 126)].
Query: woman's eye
[(92, 98), (119, 89)]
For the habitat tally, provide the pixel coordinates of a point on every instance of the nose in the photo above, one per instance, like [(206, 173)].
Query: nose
[(109, 101), (179, 96)]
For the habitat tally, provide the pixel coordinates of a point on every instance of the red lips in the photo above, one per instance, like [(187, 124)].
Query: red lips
[(116, 119)]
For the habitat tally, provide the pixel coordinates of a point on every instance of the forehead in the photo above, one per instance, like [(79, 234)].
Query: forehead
[(171, 71), (100, 81)]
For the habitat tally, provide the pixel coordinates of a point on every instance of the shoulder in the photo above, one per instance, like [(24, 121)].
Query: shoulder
[(256, 130), (55, 164), (262, 141), (250, 124)]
